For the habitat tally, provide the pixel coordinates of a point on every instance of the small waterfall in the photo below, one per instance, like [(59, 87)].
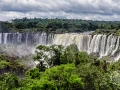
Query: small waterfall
[(0, 38), (108, 45), (116, 46), (92, 44), (19, 38), (103, 45), (5, 38), (26, 39), (96, 47)]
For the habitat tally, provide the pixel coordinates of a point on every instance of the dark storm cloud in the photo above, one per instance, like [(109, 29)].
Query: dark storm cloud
[(81, 9)]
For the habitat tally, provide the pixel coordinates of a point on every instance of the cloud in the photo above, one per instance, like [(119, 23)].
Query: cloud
[(78, 9)]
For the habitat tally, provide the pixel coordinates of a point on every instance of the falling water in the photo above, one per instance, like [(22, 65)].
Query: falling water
[(22, 44), (102, 44)]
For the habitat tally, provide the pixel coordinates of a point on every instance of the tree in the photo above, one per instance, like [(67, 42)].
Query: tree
[(69, 54), (56, 51), (64, 77), (9, 82), (42, 56), (61, 77), (49, 54), (33, 74)]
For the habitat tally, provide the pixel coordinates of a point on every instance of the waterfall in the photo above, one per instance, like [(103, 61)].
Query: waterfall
[(23, 38), (22, 44), (117, 46), (0, 38), (5, 38), (102, 44)]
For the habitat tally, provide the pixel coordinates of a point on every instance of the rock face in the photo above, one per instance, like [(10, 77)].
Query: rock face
[(23, 44)]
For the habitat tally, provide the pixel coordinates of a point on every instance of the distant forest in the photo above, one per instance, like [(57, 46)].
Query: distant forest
[(57, 25)]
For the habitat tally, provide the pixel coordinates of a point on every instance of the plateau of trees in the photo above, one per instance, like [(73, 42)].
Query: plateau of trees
[(57, 25), (68, 69)]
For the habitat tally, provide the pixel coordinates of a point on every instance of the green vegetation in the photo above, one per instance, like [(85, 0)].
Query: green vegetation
[(69, 70), (107, 32), (4, 64), (58, 25), (8, 64), (8, 82), (56, 78)]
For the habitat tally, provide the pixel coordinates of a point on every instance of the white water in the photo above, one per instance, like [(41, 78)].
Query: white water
[(102, 44), (22, 44)]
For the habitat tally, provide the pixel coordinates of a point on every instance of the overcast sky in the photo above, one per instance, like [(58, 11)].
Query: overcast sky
[(75, 9)]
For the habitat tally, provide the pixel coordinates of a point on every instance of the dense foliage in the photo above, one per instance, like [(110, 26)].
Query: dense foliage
[(75, 71), (9, 64), (57, 25)]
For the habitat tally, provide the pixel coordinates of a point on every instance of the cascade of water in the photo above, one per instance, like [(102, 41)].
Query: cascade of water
[(21, 44), (42, 39), (97, 43), (5, 37), (89, 42), (0, 38), (85, 39), (57, 39), (108, 45), (91, 48), (26, 41), (113, 44), (23, 38), (13, 38), (116, 47), (37, 38), (102, 44), (50, 39), (78, 40), (19, 37)]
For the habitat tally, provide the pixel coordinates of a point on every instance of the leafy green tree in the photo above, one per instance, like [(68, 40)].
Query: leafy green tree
[(33, 74), (82, 58), (50, 54), (110, 81), (69, 54), (61, 77), (56, 51), (9, 82), (64, 77)]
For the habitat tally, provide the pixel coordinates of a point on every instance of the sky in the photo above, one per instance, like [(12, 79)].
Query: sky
[(107, 10)]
